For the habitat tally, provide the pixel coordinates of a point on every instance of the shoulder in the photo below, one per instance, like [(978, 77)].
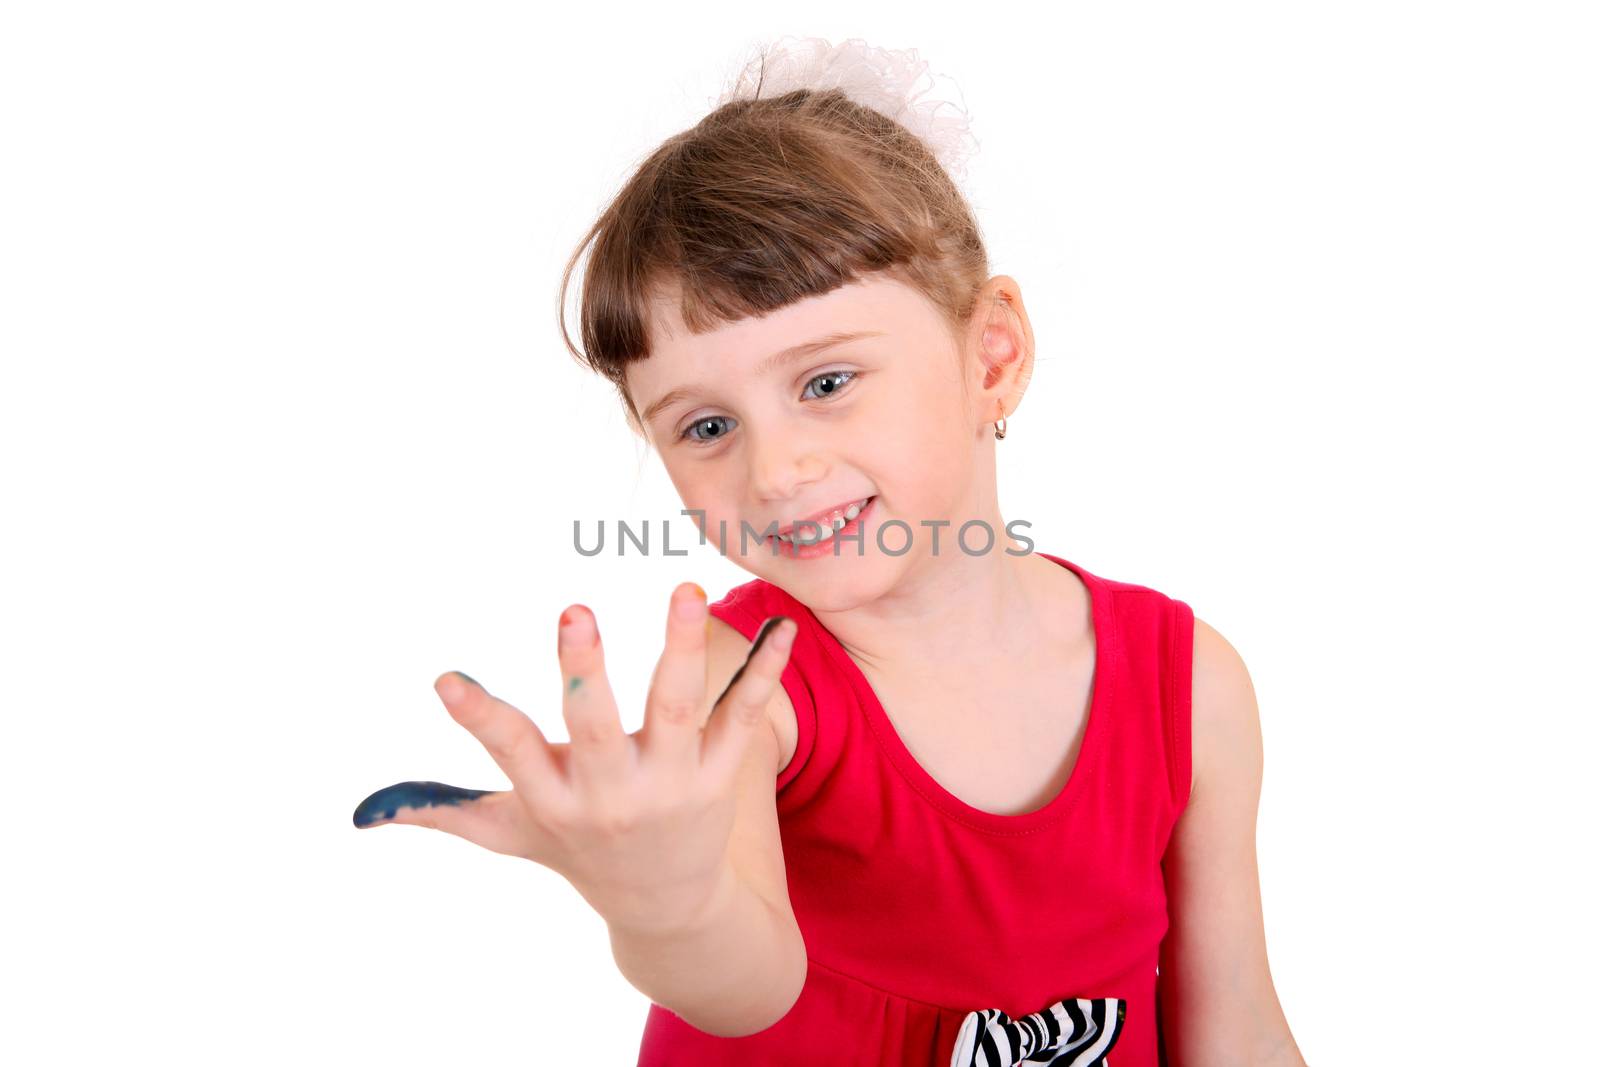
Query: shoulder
[(1226, 722)]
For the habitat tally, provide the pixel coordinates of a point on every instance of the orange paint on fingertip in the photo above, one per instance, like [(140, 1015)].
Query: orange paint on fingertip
[(701, 593), (569, 616)]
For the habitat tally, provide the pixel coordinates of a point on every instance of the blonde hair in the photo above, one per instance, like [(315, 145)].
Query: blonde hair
[(821, 164)]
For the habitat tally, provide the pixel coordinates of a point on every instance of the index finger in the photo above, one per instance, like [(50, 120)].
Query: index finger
[(741, 709)]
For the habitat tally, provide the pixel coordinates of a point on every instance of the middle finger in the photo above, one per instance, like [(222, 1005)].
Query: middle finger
[(677, 698)]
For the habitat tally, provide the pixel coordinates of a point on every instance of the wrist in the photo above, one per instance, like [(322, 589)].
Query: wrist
[(703, 911)]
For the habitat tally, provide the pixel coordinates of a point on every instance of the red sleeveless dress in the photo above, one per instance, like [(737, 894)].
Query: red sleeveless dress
[(938, 933)]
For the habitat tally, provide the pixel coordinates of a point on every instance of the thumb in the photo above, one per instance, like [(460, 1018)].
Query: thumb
[(477, 815)]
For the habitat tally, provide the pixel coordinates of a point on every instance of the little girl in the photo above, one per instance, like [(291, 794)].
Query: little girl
[(959, 799)]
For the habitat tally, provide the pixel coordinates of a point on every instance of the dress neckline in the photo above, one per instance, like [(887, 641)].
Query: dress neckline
[(888, 738)]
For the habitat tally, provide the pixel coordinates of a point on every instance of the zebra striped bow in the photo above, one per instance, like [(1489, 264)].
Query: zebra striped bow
[(1069, 1033)]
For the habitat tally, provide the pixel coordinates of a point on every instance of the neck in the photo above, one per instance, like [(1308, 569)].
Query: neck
[(957, 609)]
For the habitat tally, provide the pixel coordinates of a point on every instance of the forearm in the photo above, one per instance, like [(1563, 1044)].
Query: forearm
[(736, 971)]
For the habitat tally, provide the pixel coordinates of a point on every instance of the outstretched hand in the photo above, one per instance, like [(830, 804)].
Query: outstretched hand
[(638, 823)]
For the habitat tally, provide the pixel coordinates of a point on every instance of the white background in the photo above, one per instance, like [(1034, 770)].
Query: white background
[(288, 431)]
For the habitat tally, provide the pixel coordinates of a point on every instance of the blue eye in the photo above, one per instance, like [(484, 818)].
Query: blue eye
[(689, 434), (847, 375), (843, 378)]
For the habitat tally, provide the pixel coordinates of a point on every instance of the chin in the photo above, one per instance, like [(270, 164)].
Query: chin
[(835, 585)]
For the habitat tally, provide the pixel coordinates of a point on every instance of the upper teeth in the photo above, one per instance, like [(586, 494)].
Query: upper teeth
[(829, 525)]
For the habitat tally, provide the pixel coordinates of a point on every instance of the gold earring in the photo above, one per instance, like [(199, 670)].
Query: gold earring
[(1000, 428)]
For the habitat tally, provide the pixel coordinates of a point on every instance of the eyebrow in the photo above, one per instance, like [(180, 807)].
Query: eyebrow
[(772, 362)]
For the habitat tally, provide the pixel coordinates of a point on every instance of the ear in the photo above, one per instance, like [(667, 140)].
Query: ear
[(1001, 340)]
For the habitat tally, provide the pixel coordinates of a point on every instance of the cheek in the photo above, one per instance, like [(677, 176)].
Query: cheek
[(699, 489), (922, 466), (929, 427)]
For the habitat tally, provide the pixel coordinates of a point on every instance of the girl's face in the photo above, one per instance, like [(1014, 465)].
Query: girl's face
[(768, 421)]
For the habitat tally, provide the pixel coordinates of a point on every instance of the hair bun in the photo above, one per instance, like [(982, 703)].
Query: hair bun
[(896, 83)]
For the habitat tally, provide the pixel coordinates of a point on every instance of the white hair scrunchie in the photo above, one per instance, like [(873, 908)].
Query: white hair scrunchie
[(896, 83)]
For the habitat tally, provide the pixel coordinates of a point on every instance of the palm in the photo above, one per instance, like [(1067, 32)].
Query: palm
[(637, 822)]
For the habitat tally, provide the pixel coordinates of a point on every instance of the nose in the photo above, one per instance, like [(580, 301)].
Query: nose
[(781, 463)]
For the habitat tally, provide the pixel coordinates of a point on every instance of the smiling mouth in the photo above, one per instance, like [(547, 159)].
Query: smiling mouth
[(815, 531)]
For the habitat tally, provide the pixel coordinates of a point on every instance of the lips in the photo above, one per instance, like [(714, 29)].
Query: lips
[(827, 543), (826, 518)]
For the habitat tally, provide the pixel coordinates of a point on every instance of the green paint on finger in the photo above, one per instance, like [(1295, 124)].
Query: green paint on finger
[(572, 686)]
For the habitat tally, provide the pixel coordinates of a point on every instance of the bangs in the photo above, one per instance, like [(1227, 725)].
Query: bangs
[(763, 204)]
